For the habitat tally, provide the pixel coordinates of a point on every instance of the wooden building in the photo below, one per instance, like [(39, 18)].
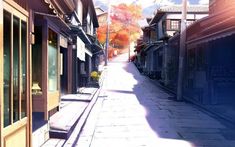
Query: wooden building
[(210, 59), (164, 25), (40, 46), (15, 77)]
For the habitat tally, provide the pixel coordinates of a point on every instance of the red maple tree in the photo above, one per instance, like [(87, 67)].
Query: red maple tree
[(123, 28)]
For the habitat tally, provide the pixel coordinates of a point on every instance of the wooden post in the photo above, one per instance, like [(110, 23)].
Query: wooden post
[(107, 35), (182, 51)]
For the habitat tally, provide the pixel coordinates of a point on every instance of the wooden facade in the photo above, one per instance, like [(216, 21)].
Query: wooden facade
[(217, 6), (210, 59), (209, 78), (15, 74), (38, 57), (164, 25)]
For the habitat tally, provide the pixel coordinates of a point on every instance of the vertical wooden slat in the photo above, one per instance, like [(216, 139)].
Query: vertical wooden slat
[(59, 62), (45, 67), (29, 78), (69, 69), (58, 67)]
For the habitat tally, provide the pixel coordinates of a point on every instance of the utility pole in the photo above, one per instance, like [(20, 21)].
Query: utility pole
[(107, 35), (182, 51), (129, 47)]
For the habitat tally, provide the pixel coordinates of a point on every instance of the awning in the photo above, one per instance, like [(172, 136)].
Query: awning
[(95, 46), (79, 31), (57, 21), (152, 45), (213, 36), (148, 47), (97, 49)]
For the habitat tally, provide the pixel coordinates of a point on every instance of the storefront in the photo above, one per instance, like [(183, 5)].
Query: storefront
[(45, 68), (49, 71), (14, 76)]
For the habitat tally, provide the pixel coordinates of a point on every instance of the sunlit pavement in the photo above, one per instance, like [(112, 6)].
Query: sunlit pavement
[(132, 112)]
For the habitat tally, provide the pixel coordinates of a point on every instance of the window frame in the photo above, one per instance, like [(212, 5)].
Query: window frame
[(23, 18), (171, 24)]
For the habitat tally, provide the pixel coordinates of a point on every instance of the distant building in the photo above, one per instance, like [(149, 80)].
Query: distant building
[(164, 25), (167, 19)]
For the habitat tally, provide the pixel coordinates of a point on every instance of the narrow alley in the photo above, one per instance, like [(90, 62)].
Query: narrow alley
[(133, 112)]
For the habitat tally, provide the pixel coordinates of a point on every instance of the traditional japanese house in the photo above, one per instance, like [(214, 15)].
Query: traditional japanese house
[(210, 76), (15, 95), (138, 59), (40, 47), (173, 60), (166, 23), (52, 61), (89, 24)]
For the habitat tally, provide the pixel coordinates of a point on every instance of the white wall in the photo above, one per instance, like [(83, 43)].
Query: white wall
[(189, 16), (79, 10)]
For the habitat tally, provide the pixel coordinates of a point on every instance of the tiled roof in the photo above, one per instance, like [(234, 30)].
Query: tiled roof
[(178, 8)]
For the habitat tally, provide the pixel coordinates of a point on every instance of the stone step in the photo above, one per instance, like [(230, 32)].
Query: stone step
[(79, 126), (62, 123), (72, 108)]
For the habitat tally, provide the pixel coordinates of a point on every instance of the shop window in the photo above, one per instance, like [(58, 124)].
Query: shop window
[(37, 58), (23, 68), (52, 61), (16, 41), (15, 47), (7, 67)]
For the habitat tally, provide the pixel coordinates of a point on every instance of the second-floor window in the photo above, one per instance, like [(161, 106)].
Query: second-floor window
[(174, 25)]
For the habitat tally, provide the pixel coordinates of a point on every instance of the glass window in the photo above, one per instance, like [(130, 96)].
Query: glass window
[(23, 68), (174, 24), (15, 48), (16, 32), (52, 61), (7, 67), (37, 57)]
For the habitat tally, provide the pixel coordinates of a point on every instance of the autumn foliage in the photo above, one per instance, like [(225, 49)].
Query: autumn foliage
[(123, 28)]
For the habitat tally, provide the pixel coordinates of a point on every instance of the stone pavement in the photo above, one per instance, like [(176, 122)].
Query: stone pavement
[(74, 110), (132, 112)]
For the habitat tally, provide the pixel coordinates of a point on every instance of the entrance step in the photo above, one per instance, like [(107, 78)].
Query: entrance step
[(72, 108), (62, 123)]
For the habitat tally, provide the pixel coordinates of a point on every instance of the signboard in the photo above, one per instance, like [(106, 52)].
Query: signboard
[(80, 49), (63, 41)]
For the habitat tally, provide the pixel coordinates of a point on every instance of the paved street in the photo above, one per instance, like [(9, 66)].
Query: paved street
[(132, 112)]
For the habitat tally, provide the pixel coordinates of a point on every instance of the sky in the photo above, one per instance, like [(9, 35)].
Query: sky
[(146, 3), (148, 6)]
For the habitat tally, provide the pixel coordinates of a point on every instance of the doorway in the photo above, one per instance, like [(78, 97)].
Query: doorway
[(64, 70)]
